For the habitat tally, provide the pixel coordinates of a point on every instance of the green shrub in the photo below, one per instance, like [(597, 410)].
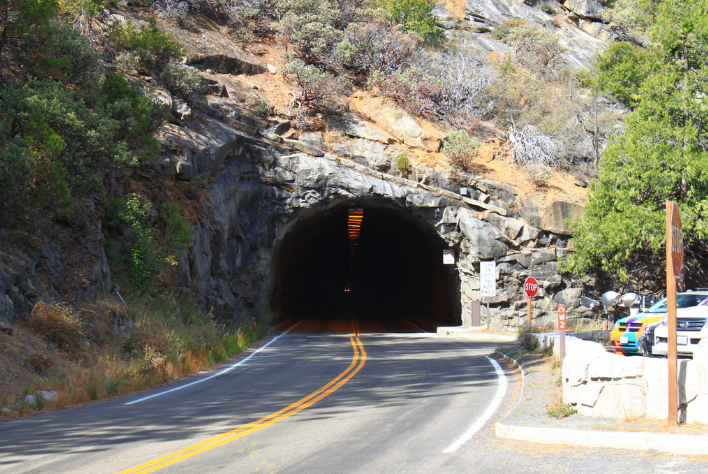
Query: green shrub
[(500, 32), (113, 385), (403, 163), (144, 253), (368, 47), (178, 234), (50, 188), (15, 179), (460, 148), (98, 135), (413, 88), (252, 18), (317, 88), (152, 48), (415, 16), (185, 82), (263, 107), (308, 29), (558, 410), (540, 175), (133, 115), (63, 54), (23, 25)]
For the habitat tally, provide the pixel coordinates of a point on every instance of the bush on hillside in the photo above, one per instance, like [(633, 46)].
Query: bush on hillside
[(185, 82), (460, 148), (152, 48), (540, 175), (628, 15), (307, 29), (530, 148), (464, 81), (69, 57), (251, 19), (415, 16), (316, 88), (413, 88), (536, 49), (369, 47)]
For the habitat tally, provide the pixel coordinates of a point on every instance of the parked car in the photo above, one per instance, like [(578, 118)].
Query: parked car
[(628, 335), (691, 327), (646, 340), (625, 336)]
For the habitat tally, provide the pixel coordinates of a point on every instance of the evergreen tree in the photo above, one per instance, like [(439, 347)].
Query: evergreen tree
[(662, 156)]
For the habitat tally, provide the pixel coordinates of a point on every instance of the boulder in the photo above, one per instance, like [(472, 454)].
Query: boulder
[(509, 226), (353, 126), (550, 213), (373, 154), (314, 140), (570, 297), (483, 240), (625, 401), (207, 47), (305, 147), (614, 366), (589, 9), (396, 121)]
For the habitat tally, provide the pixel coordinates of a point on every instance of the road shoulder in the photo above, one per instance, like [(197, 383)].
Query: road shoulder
[(531, 420)]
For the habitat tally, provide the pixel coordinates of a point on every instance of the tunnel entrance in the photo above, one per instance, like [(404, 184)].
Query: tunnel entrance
[(388, 270)]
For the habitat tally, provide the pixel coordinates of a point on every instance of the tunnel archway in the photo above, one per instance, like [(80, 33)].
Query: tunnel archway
[(395, 271)]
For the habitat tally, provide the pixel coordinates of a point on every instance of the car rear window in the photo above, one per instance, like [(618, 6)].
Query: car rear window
[(682, 301)]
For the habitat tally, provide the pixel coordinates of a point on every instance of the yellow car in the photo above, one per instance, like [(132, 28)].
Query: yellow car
[(627, 331)]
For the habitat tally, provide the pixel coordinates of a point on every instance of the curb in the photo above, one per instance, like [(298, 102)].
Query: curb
[(641, 441), (465, 333)]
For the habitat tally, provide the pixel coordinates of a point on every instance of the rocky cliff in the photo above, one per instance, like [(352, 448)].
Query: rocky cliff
[(262, 179)]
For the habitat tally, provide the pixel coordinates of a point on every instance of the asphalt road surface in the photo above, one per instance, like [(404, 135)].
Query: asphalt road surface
[(341, 397)]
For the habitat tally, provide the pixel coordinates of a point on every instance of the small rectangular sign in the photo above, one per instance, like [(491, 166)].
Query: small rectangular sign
[(487, 279), (448, 257), (562, 318)]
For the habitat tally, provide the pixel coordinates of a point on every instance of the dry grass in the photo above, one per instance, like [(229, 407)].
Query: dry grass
[(104, 349)]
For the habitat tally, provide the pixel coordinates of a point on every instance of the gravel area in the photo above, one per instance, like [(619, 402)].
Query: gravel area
[(541, 398)]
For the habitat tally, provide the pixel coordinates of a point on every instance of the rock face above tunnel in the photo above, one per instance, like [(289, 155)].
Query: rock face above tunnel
[(263, 193), (550, 213)]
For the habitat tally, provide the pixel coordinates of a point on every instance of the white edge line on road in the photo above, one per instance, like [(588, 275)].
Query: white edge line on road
[(216, 374), (498, 397)]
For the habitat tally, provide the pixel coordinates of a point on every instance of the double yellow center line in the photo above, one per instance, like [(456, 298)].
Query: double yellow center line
[(358, 361)]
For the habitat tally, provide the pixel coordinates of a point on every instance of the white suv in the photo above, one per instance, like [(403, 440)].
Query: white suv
[(691, 327)]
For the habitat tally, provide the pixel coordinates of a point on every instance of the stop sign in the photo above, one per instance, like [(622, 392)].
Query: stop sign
[(531, 287)]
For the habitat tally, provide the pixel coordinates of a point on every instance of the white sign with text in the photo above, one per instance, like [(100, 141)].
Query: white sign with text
[(487, 279)]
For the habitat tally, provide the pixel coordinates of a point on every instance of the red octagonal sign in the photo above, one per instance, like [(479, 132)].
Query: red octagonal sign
[(531, 287)]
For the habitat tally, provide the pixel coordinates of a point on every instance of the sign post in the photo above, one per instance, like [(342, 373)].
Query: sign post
[(562, 326), (530, 287), (488, 283), (674, 261)]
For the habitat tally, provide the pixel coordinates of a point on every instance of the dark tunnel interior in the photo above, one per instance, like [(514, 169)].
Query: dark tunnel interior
[(395, 270)]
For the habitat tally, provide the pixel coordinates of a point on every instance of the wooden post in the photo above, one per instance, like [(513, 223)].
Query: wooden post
[(561, 338), (562, 325), (489, 315), (528, 316), (674, 244)]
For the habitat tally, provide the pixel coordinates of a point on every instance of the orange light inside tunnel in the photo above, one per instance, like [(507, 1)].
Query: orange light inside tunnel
[(355, 218)]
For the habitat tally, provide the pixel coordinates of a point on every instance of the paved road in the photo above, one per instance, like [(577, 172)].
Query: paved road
[(326, 401), (324, 398)]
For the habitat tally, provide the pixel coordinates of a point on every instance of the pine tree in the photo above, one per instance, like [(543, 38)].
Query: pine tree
[(663, 154)]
